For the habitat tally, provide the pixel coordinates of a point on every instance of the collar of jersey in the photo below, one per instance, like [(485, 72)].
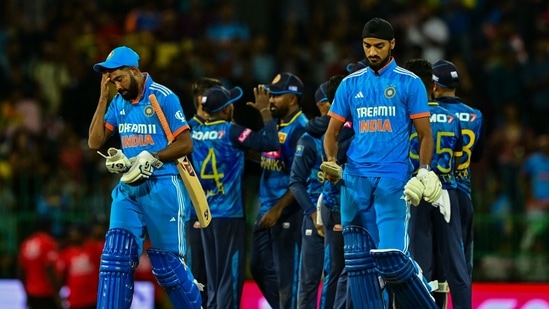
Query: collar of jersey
[(199, 119), (387, 68), (449, 99), (291, 118), (214, 121), (148, 82)]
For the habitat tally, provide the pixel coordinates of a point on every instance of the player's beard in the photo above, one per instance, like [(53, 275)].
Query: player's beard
[(131, 92), (278, 112), (379, 63)]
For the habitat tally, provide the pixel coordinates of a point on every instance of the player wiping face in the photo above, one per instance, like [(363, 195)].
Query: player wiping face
[(160, 209), (124, 82)]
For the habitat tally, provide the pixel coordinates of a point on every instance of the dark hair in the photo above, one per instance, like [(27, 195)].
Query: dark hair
[(332, 85), (201, 85), (423, 69)]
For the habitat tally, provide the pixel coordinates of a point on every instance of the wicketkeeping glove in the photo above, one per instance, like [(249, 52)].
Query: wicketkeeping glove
[(116, 162), (142, 168), (332, 169), (433, 187), (413, 191)]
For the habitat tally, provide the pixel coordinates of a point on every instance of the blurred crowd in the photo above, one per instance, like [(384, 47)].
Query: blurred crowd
[(49, 91)]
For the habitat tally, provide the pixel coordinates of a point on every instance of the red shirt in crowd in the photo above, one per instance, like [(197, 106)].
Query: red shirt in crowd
[(80, 268), (37, 253)]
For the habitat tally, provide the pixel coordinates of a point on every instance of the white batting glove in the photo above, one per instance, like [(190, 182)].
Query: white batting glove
[(116, 162), (142, 168), (433, 187), (413, 191)]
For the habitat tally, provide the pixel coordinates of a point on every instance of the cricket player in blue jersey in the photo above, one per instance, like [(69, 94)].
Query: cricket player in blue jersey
[(198, 88), (382, 101), (334, 288), (276, 240), (150, 197), (435, 229), (306, 184), (446, 80), (219, 153), (195, 251)]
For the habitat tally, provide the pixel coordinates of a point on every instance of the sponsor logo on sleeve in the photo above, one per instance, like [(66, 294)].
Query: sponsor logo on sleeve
[(244, 135)]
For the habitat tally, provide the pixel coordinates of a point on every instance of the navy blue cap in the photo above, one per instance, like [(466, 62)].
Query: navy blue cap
[(286, 83), (216, 98), (119, 57), (445, 74), (320, 93), (355, 66)]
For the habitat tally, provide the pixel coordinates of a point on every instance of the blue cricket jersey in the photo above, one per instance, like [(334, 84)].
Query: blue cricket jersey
[(218, 157), (448, 144), (276, 165), (331, 192), (196, 121), (470, 120), (306, 178), (138, 124), (380, 106)]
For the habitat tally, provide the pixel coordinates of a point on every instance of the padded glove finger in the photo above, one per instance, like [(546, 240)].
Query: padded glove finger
[(332, 169), (116, 162), (143, 167), (433, 187), (413, 191)]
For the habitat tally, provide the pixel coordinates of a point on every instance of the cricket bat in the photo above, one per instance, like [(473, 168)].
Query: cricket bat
[(187, 172)]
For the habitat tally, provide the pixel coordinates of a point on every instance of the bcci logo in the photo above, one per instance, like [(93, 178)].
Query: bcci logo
[(390, 92), (148, 111)]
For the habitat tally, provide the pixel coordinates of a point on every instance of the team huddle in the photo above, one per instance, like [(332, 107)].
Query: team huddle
[(371, 199)]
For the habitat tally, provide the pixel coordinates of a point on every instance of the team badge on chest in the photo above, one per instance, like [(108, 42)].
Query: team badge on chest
[(148, 111), (390, 92)]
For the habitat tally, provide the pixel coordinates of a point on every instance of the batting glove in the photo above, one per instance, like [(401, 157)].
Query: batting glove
[(413, 191), (332, 170), (142, 168), (433, 187), (116, 162)]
